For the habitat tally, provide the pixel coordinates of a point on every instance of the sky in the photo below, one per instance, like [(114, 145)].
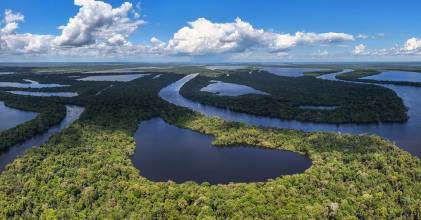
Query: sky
[(210, 30)]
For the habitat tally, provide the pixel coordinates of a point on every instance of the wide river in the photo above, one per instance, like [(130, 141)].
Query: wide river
[(405, 135)]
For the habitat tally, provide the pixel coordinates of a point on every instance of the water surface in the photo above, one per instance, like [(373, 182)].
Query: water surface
[(225, 67), (11, 117), (230, 89), (165, 152), (118, 78), (396, 76), (288, 71), (29, 84), (9, 155), (45, 94), (406, 135)]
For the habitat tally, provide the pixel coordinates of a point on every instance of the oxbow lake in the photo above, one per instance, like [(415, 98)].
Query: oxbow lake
[(165, 152), (230, 89), (113, 78), (45, 94), (29, 84)]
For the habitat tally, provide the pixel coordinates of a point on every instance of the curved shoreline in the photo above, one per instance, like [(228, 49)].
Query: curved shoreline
[(386, 130), (7, 156)]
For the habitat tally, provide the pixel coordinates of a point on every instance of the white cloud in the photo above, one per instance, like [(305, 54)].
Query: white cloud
[(100, 31), (359, 49), (97, 30), (412, 44), (11, 21), (99, 21), (205, 37)]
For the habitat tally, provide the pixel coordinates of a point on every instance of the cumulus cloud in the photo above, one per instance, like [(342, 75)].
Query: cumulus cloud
[(99, 21), (204, 37), (359, 49), (13, 43), (11, 21), (97, 29), (412, 44)]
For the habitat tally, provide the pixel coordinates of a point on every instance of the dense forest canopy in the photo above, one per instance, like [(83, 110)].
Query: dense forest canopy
[(355, 102), (86, 171)]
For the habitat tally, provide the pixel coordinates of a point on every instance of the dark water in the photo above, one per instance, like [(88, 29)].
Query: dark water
[(230, 89), (406, 135), (10, 117), (119, 78), (396, 76), (6, 157), (291, 72), (45, 94), (29, 84), (165, 152)]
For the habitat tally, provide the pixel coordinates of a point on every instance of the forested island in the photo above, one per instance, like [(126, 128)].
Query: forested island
[(86, 171), (354, 103)]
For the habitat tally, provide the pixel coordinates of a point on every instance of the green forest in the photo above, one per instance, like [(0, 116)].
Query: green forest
[(355, 103), (86, 172)]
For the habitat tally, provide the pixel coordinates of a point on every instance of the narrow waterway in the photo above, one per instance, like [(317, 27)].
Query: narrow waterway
[(406, 135), (72, 114)]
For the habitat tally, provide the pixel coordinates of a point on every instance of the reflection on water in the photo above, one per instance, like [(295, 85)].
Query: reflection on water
[(119, 78), (396, 76), (29, 84), (406, 135), (10, 117), (165, 152), (332, 76), (287, 71), (45, 94), (225, 67), (7, 156), (230, 89)]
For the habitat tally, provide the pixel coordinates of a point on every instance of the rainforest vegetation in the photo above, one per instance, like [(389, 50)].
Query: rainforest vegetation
[(355, 102), (86, 171)]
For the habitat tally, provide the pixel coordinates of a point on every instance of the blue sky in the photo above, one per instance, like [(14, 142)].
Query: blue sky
[(380, 29)]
